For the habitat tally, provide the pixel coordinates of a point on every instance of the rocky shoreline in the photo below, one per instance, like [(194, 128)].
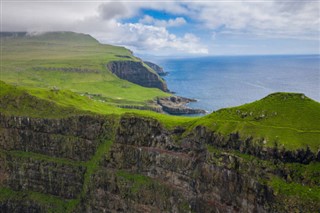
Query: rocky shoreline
[(173, 105), (137, 73), (176, 105)]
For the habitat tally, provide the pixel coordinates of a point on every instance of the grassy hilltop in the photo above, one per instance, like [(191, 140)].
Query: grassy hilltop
[(288, 119)]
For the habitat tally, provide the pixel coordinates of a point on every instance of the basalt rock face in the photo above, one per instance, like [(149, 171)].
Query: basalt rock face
[(75, 138), (152, 169), (156, 68), (42, 176), (136, 73), (47, 157), (249, 146), (148, 168), (174, 178)]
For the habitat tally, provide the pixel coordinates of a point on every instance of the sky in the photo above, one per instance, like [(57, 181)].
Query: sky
[(178, 28)]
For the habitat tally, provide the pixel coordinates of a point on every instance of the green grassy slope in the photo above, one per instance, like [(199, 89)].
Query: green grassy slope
[(36, 62), (290, 119), (44, 103), (16, 101)]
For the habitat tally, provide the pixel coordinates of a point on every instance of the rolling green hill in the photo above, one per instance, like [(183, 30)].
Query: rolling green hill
[(72, 61), (289, 119)]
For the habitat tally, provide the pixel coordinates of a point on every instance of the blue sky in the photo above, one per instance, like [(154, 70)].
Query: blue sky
[(167, 28)]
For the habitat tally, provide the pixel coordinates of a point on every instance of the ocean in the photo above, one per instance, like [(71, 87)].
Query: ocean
[(226, 81)]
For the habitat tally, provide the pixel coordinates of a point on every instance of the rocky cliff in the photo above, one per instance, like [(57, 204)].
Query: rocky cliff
[(136, 72), (156, 68), (135, 164)]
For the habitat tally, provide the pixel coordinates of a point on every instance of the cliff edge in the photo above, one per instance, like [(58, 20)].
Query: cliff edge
[(136, 72), (156, 68)]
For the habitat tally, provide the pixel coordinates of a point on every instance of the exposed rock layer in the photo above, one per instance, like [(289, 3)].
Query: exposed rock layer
[(75, 138), (148, 168), (189, 179), (156, 68), (137, 73)]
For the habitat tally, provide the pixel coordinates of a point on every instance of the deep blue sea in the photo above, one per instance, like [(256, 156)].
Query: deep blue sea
[(225, 81)]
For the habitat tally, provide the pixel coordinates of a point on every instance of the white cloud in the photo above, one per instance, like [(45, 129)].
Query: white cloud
[(272, 17), (293, 19), (140, 37), (240, 19), (103, 21), (44, 16), (179, 21)]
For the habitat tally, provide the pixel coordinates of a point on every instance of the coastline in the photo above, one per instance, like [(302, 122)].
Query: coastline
[(173, 105)]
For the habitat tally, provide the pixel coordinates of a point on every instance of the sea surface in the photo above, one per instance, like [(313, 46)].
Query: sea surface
[(225, 81)]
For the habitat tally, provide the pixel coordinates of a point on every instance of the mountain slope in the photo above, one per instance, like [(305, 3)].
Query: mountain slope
[(71, 61), (56, 103)]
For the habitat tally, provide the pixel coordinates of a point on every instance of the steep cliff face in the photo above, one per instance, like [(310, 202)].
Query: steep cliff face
[(148, 168), (152, 169), (75, 138), (156, 68), (160, 175), (136, 73), (45, 162), (252, 147)]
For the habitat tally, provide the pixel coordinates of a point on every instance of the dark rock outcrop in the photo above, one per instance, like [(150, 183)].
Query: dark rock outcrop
[(46, 155), (75, 138), (136, 72), (176, 105), (156, 68)]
